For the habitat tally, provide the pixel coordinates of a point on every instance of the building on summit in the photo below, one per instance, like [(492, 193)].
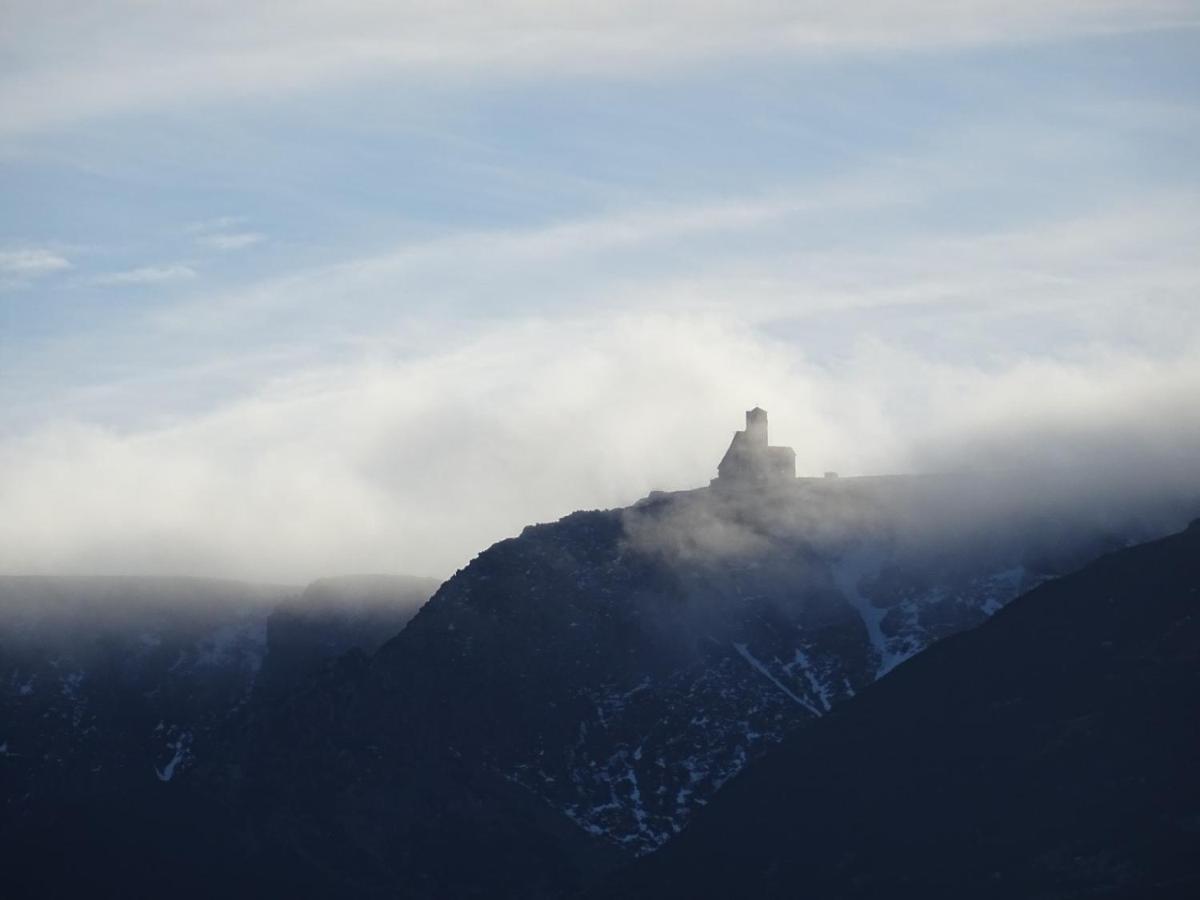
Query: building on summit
[(749, 459)]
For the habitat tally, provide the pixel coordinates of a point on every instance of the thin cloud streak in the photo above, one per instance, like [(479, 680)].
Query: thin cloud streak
[(543, 246), (20, 266), (1101, 259), (231, 241), (144, 275)]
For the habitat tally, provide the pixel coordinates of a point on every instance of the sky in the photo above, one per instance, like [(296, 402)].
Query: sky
[(290, 290)]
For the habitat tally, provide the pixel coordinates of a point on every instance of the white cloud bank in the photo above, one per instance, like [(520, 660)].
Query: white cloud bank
[(415, 465)]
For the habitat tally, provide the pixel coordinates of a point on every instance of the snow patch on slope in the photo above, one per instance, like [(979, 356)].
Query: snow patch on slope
[(181, 747), (744, 651), (801, 661), (848, 573)]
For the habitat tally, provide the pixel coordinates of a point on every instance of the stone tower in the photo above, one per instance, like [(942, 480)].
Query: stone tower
[(756, 426)]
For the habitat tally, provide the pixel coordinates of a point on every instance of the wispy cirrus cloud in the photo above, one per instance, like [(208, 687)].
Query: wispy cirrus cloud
[(144, 275), (129, 56), (440, 267), (227, 241), (219, 223), (224, 233), (726, 255), (21, 265)]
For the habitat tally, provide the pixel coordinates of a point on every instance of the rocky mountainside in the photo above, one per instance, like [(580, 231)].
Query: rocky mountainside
[(1049, 753), (111, 688), (331, 617), (572, 697), (122, 672), (624, 665), (618, 667)]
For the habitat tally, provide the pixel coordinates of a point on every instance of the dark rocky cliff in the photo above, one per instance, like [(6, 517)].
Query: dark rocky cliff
[(1049, 753), (614, 669)]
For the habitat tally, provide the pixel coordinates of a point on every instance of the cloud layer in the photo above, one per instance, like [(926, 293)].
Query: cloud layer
[(415, 466)]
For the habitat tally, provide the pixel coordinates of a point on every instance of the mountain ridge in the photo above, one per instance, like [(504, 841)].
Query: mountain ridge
[(1086, 739), (575, 694), (621, 665)]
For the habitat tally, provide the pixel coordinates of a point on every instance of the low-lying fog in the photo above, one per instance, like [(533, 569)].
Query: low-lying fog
[(414, 465)]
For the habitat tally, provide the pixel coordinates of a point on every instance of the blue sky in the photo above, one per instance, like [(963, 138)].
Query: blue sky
[(380, 283)]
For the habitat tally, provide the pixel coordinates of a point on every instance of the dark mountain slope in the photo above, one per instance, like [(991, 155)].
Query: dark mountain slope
[(1052, 752), (567, 700), (333, 616), (123, 702), (617, 667)]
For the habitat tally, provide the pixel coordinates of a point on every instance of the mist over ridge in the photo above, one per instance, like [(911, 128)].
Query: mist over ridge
[(415, 467)]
